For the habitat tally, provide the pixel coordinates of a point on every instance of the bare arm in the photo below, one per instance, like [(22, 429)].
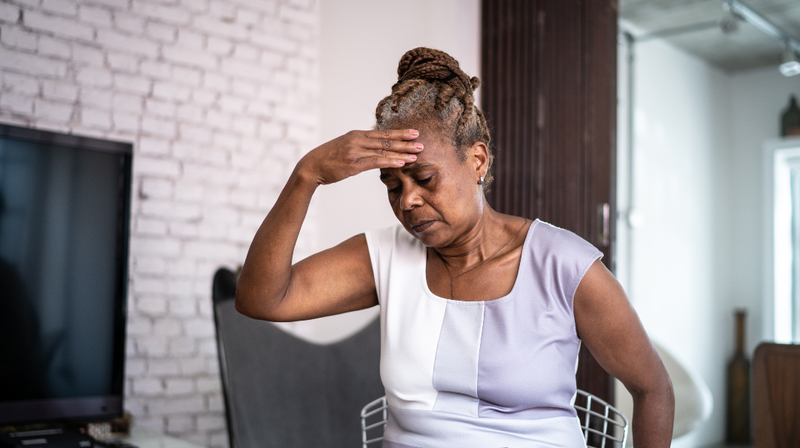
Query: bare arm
[(333, 281), (611, 330)]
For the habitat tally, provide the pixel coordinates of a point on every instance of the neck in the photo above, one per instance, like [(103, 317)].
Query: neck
[(480, 242)]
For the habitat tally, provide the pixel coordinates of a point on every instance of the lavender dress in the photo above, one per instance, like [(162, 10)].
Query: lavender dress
[(497, 373)]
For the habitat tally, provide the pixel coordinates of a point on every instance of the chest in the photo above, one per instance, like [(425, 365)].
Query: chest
[(478, 358), (488, 281)]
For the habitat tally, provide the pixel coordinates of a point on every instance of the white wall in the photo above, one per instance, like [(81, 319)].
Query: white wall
[(361, 42), (697, 254), (219, 100), (681, 115), (759, 97)]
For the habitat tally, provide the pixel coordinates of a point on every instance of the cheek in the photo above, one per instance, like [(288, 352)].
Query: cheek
[(463, 187), (394, 202), (466, 199)]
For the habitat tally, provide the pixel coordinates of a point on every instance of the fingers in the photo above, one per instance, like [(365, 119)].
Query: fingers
[(397, 161), (386, 153), (393, 134), (393, 140), (359, 151), (386, 159)]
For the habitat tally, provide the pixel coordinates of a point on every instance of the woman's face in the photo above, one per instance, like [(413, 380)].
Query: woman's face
[(437, 198)]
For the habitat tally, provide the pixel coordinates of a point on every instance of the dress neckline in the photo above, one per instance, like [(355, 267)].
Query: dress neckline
[(522, 260)]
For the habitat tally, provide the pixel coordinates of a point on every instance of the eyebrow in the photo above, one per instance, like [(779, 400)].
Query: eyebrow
[(413, 167)]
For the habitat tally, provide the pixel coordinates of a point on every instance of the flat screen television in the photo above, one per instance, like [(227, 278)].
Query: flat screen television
[(64, 230)]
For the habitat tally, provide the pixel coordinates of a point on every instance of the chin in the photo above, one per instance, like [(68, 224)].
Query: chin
[(426, 240), (429, 238)]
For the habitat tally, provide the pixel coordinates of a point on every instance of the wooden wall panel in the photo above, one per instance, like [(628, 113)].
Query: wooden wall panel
[(549, 93)]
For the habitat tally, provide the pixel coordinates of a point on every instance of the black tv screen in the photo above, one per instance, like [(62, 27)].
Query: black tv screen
[(64, 229)]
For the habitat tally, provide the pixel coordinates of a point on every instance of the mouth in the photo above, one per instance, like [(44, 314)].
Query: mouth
[(421, 226)]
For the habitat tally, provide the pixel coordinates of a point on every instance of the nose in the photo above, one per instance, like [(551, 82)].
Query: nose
[(410, 198)]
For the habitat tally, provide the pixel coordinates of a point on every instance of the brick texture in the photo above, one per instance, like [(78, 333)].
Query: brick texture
[(219, 100)]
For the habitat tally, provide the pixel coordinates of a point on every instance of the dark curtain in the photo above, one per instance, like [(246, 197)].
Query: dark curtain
[(549, 93)]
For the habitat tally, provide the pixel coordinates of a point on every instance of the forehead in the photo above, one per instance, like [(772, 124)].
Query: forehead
[(429, 130), (437, 149)]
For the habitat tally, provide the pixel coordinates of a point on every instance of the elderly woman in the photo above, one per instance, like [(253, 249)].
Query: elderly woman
[(482, 314)]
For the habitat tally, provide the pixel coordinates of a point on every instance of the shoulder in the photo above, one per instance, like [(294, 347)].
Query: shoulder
[(561, 253), (551, 240), (394, 254), (392, 243), (389, 238)]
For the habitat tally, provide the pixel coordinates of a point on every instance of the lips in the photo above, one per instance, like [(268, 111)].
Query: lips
[(421, 226)]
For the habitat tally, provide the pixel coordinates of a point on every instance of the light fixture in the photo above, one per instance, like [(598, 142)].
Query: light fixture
[(729, 23), (790, 65)]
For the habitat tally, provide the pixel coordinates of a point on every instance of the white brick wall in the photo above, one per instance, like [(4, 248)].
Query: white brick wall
[(218, 98)]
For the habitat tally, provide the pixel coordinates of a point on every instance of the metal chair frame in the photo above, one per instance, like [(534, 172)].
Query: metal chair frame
[(369, 410), (608, 419)]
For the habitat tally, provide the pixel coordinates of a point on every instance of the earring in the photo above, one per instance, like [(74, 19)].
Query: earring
[(480, 182)]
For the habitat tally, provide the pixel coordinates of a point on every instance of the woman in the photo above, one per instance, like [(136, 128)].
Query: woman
[(482, 314)]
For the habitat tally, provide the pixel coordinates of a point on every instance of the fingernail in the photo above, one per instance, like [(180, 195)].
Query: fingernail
[(419, 146), (412, 157), (400, 162), (414, 132)]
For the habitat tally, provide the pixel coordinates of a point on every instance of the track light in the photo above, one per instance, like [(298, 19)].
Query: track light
[(729, 23), (790, 65)]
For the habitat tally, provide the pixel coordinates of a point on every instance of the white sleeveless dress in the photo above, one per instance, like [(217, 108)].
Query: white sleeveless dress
[(497, 373)]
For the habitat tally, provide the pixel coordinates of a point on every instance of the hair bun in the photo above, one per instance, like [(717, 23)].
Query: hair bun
[(433, 65), (475, 82)]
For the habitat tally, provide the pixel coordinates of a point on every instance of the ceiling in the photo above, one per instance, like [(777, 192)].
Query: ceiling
[(744, 49)]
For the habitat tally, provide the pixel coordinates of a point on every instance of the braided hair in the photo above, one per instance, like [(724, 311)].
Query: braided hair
[(432, 89)]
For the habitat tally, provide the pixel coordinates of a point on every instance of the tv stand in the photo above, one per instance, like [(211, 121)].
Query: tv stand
[(143, 438), (46, 438), (72, 438)]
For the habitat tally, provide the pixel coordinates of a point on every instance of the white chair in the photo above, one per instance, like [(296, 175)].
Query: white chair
[(603, 425)]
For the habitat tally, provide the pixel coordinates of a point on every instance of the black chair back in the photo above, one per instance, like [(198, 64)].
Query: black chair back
[(281, 391)]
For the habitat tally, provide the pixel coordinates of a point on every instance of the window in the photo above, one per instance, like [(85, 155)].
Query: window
[(783, 229)]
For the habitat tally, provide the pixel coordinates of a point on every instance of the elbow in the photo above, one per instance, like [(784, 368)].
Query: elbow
[(255, 306), (664, 393), (651, 381), (240, 302), (666, 389), (670, 392), (248, 299), (658, 389), (246, 304)]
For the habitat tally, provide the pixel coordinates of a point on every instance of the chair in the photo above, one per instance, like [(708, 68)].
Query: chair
[(281, 391), (373, 419), (602, 424), (776, 395)]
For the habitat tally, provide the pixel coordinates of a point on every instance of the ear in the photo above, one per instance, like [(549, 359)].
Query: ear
[(479, 157)]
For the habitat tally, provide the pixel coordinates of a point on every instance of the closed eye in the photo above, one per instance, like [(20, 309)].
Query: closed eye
[(399, 188)]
